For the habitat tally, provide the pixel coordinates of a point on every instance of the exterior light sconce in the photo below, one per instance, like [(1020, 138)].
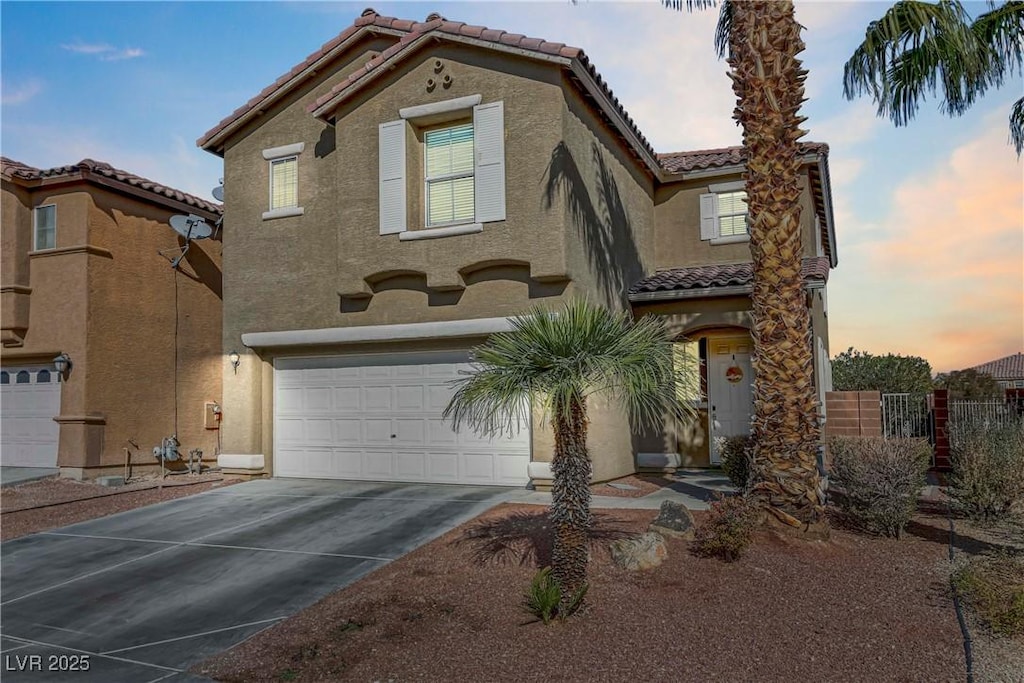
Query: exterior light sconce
[(62, 364), (235, 360)]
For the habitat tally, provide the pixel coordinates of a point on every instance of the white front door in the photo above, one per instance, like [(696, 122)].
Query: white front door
[(378, 418), (29, 400), (730, 389)]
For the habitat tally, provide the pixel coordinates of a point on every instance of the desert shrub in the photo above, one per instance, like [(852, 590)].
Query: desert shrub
[(737, 453), (880, 480), (727, 529), (542, 598), (993, 586), (987, 460)]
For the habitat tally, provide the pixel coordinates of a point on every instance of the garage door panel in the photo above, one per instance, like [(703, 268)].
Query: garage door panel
[(28, 403), (387, 425), (318, 399), (289, 399)]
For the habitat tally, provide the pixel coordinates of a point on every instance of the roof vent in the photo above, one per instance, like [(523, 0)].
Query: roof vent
[(369, 12), (433, 16)]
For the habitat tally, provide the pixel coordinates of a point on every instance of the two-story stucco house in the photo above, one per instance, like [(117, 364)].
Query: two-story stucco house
[(409, 187), (87, 277)]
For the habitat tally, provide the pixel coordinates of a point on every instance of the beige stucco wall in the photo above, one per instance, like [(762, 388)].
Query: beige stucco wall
[(106, 299), (677, 211), (290, 273)]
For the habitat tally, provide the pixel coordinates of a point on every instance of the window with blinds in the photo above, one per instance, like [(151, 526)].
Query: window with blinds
[(732, 214), (46, 227), (448, 165), (284, 183)]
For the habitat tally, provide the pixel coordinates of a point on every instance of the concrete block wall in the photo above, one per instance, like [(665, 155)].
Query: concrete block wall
[(853, 413)]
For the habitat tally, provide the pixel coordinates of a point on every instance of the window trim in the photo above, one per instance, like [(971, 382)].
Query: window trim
[(35, 227), (276, 155), (427, 180), (725, 188)]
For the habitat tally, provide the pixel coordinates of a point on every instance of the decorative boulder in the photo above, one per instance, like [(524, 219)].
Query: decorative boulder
[(674, 520), (640, 552)]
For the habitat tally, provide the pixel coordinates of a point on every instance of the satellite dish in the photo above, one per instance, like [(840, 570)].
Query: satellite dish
[(191, 227), (218, 193)]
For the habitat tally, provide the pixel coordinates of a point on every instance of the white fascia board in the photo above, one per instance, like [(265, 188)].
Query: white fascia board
[(372, 333), (457, 104), (830, 225)]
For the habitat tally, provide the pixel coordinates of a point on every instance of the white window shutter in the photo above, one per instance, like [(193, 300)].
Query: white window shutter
[(708, 216), (391, 178), (489, 173)]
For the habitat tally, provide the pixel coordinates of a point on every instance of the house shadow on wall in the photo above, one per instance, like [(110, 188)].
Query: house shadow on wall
[(600, 217)]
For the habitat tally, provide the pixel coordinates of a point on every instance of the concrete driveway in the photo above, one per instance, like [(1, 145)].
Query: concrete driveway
[(145, 594)]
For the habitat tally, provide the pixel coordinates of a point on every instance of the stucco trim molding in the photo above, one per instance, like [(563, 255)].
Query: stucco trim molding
[(372, 333), (94, 419), (433, 233), (444, 107), (286, 212), (90, 249), (15, 289), (291, 150)]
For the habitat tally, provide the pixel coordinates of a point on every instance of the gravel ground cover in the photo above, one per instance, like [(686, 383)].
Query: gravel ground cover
[(51, 503), (850, 609)]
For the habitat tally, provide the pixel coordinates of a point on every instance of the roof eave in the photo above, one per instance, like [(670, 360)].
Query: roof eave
[(706, 292), (215, 143)]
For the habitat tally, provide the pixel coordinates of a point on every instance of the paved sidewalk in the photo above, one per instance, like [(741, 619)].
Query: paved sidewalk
[(693, 488)]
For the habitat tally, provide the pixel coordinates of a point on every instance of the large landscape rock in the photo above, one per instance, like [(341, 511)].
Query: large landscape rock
[(640, 552), (674, 520)]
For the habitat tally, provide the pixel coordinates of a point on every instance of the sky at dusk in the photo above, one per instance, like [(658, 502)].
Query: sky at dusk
[(929, 218)]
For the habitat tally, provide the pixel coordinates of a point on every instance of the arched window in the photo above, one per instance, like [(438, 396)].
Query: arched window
[(5, 378), (43, 377), (22, 377)]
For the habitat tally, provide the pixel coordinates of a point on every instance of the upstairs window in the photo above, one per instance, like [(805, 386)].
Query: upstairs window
[(45, 227), (284, 180), (449, 175), (284, 183), (724, 217)]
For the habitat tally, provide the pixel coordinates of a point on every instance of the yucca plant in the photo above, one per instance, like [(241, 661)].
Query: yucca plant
[(554, 361)]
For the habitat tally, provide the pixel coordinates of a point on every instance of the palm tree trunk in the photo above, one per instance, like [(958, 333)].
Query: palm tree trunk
[(570, 500), (768, 82)]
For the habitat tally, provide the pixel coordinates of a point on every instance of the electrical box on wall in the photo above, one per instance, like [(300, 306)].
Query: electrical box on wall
[(211, 415)]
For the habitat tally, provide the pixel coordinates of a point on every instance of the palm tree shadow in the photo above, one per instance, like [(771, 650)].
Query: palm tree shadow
[(525, 538)]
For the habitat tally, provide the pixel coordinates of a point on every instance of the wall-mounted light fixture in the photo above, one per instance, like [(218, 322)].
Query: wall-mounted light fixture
[(62, 364), (235, 360)]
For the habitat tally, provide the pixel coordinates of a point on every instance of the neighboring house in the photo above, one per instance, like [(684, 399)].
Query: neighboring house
[(1008, 371), (87, 274), (409, 187)]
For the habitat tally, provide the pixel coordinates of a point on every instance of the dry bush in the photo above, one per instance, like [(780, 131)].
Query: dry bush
[(880, 480), (993, 585), (987, 459), (727, 529), (737, 453)]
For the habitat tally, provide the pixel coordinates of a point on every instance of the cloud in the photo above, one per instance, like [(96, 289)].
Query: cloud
[(20, 94), (944, 277), (106, 53)]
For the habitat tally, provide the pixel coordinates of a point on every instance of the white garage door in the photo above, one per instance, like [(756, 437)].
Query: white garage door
[(378, 418), (29, 400)]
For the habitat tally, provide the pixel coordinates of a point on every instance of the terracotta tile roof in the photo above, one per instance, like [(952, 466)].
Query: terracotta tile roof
[(1011, 367), (12, 169), (414, 33), (698, 160), (710, 277)]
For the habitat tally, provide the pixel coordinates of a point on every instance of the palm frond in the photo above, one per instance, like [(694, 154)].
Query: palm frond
[(556, 360), (1017, 125)]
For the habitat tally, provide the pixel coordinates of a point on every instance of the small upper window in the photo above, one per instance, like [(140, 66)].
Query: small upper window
[(732, 214), (22, 377), (5, 378), (43, 377), (448, 165), (46, 227), (284, 183)]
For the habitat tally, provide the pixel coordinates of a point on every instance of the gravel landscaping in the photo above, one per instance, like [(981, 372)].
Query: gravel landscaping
[(854, 608), (51, 503)]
